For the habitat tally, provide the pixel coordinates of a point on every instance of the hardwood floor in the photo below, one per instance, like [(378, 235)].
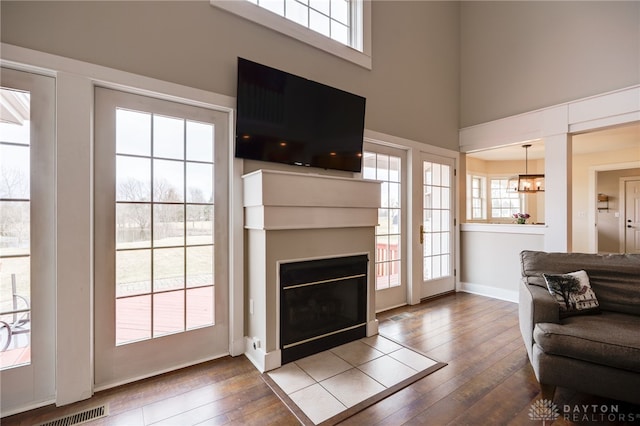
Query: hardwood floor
[(488, 380)]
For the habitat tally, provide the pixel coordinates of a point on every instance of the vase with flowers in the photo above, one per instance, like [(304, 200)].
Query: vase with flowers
[(521, 218)]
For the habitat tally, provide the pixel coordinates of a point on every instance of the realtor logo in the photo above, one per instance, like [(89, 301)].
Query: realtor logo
[(543, 409)]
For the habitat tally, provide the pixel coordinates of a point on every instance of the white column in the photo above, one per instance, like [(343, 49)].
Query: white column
[(558, 181), (74, 250)]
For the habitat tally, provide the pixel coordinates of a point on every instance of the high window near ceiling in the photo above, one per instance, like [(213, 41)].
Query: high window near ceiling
[(340, 27)]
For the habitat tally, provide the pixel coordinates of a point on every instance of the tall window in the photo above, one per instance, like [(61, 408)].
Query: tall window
[(476, 197), (15, 228), (164, 225), (386, 168), (331, 18), (504, 201)]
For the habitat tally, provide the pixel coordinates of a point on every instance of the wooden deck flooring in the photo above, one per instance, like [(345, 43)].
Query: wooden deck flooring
[(488, 379)]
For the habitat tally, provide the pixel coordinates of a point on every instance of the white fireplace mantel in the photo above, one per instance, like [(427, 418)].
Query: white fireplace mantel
[(276, 200), (292, 217)]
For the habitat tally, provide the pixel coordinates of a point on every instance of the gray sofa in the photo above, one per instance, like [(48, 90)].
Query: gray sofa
[(596, 354)]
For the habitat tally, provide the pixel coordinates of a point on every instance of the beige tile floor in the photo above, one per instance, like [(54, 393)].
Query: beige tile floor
[(327, 383)]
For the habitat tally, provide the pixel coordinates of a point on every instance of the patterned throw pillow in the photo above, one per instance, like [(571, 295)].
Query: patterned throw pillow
[(573, 293)]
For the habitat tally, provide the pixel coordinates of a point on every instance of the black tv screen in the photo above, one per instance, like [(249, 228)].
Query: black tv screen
[(288, 119)]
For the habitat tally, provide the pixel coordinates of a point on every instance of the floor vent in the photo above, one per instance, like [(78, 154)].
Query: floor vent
[(78, 418)]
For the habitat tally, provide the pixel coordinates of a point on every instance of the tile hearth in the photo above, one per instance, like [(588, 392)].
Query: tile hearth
[(328, 383)]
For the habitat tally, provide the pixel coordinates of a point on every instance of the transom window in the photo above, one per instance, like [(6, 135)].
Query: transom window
[(340, 27), (331, 18)]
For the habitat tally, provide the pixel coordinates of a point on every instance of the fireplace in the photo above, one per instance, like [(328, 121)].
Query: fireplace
[(322, 304), (308, 241)]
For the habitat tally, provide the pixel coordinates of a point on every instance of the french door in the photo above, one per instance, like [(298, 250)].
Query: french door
[(435, 245), (161, 173), (27, 244), (388, 165)]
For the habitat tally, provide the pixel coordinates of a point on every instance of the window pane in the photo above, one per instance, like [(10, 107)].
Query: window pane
[(369, 166), (133, 225), (275, 6), (168, 269), (382, 248), (199, 141), (168, 225), (383, 222), (394, 169), (15, 228), (319, 23), (133, 319), (15, 121), (322, 6), (199, 224), (339, 32), (133, 179), (133, 132), (14, 171), (394, 221), (199, 183), (297, 12), (133, 272), (168, 137), (168, 181), (340, 11), (200, 307), (199, 266), (382, 165), (168, 313)]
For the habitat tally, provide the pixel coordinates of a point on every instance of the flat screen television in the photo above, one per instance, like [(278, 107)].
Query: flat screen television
[(288, 119)]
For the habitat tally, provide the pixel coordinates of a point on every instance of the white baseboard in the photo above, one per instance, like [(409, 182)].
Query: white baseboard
[(494, 292), (372, 328), (263, 361)]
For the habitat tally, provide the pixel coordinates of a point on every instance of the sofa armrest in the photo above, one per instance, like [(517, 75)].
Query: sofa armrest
[(536, 305)]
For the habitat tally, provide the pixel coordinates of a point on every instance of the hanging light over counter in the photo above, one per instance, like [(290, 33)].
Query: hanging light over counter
[(526, 182)]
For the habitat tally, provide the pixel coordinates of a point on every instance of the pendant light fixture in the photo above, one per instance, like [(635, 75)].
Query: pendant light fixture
[(526, 182)]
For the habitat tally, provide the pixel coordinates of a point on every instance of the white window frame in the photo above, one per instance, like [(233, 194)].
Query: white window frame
[(361, 38), (490, 215), (483, 196)]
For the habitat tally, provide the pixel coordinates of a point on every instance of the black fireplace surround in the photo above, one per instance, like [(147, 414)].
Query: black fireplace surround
[(323, 304)]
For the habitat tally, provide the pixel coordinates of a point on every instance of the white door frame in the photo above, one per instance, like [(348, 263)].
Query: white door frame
[(34, 384), (592, 231), (623, 210)]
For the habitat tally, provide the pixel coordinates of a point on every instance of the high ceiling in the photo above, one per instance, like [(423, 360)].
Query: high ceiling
[(611, 139)]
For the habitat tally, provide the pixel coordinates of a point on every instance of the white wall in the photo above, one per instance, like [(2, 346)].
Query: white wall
[(490, 257), (519, 56)]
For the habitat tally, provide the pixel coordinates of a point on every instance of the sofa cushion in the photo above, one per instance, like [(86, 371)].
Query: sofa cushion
[(573, 293), (610, 339), (615, 278)]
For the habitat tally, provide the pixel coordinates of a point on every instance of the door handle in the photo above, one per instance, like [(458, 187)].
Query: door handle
[(421, 234)]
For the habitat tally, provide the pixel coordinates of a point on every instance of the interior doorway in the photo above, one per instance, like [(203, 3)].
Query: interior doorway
[(599, 159), (614, 209)]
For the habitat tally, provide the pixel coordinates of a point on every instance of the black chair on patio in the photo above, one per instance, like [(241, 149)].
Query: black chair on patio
[(17, 320)]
